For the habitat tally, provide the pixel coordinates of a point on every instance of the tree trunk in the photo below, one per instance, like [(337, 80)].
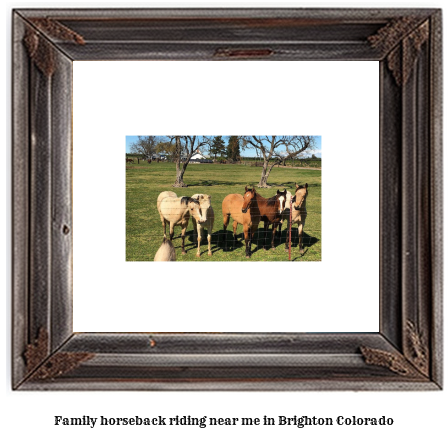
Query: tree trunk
[(179, 171), (265, 175), (180, 175)]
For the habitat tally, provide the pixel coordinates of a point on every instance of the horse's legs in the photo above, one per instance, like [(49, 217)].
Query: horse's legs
[(209, 240), (265, 234), (184, 228), (301, 226), (225, 221), (247, 239), (235, 226), (252, 232), (195, 227), (163, 225), (280, 224), (171, 230), (198, 253), (210, 223), (274, 228), (288, 237), (197, 234)]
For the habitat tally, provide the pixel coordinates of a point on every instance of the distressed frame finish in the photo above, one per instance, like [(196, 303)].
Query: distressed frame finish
[(406, 354)]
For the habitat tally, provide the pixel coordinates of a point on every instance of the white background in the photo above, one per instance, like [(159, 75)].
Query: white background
[(416, 414), (112, 99)]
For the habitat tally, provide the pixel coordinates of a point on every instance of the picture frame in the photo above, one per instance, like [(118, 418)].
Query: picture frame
[(406, 353)]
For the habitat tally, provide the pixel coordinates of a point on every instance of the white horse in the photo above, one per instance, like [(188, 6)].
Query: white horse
[(176, 211), (207, 220)]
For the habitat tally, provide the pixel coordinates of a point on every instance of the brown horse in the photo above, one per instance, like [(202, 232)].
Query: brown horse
[(129, 160), (268, 210), (298, 214), (232, 207)]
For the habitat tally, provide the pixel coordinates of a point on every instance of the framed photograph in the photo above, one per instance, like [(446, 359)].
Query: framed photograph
[(272, 119)]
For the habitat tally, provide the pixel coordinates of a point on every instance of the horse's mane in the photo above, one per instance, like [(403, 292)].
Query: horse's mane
[(271, 201), (186, 199)]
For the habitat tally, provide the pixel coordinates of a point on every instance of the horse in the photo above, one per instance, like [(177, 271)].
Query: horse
[(129, 160), (207, 220), (232, 207), (285, 214), (166, 252), (298, 215), (176, 211), (269, 210)]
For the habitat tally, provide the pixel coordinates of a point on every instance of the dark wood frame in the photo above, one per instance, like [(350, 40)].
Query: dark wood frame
[(406, 354)]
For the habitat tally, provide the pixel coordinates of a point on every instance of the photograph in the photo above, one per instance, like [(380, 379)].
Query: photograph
[(223, 198)]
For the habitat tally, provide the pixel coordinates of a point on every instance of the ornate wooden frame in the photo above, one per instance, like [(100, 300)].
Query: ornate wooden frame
[(406, 354)]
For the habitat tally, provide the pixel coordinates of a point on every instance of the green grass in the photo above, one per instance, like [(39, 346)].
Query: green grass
[(144, 231)]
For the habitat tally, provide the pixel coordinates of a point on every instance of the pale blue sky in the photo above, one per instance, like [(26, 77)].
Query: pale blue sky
[(247, 153)]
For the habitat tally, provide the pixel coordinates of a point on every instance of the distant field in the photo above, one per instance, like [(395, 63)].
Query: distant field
[(144, 231)]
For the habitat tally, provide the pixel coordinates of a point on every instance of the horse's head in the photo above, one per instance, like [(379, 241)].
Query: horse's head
[(247, 199), (281, 199), (204, 204), (300, 196), (195, 208)]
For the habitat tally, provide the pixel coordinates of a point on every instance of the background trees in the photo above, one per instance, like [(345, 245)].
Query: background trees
[(277, 149), (217, 146), (271, 150), (167, 148), (145, 146), (233, 148), (185, 147)]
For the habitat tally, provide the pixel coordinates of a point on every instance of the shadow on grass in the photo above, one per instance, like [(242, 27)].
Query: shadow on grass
[(281, 239), (308, 241), (292, 184), (209, 183), (224, 241)]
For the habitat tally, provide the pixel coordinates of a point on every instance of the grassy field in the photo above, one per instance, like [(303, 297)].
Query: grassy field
[(144, 231)]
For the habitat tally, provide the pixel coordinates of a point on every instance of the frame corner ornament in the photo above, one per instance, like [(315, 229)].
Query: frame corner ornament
[(40, 50), (411, 34), (40, 365), (418, 350), (395, 362)]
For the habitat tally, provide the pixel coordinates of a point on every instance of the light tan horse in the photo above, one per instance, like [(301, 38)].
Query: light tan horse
[(232, 206), (166, 252), (176, 212), (207, 220), (164, 195), (299, 213)]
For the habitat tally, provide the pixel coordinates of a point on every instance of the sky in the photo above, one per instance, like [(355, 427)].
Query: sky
[(247, 153)]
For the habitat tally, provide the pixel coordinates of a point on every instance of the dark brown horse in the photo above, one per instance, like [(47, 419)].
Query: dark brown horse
[(129, 160), (267, 210)]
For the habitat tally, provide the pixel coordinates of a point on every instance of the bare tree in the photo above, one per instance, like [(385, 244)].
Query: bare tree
[(185, 147), (277, 149), (145, 146)]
